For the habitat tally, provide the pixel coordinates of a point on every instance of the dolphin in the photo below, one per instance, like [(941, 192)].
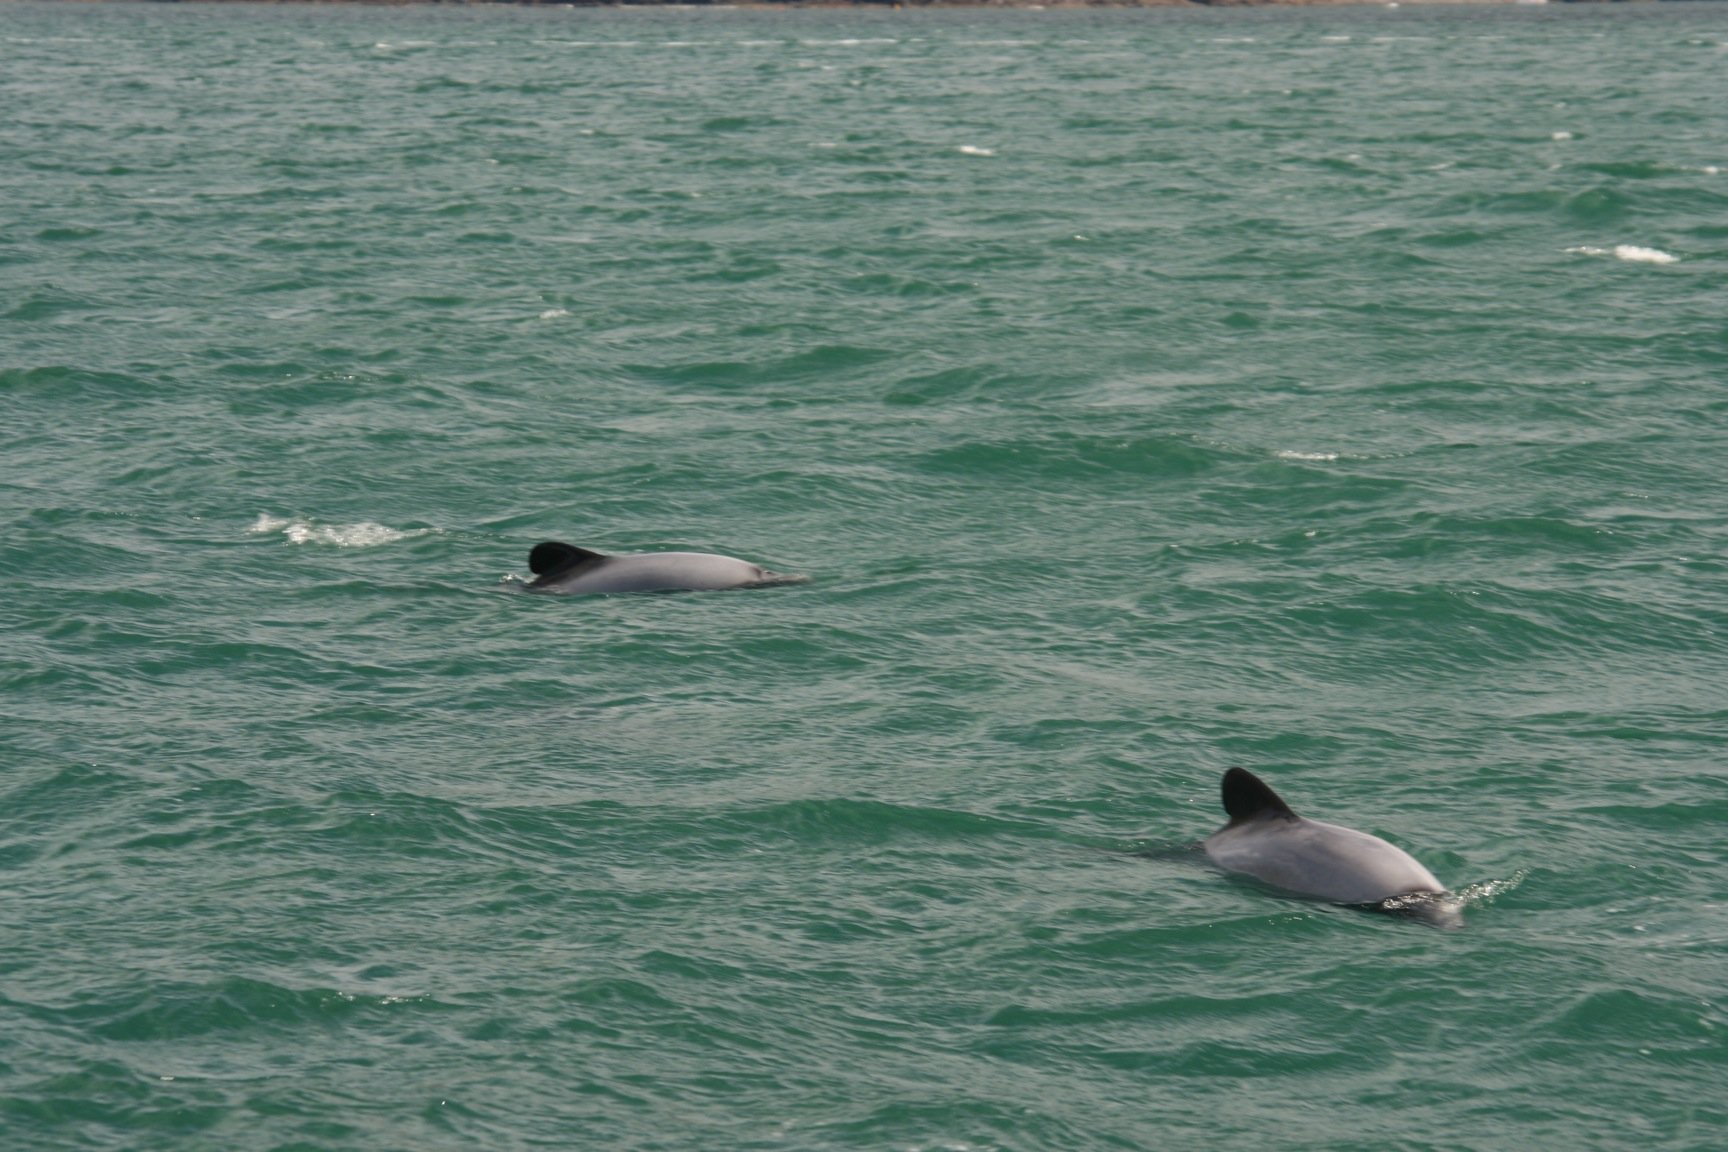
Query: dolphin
[(1266, 840), (559, 567)]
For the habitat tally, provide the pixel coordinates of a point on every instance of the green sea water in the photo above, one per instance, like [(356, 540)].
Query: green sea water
[(1342, 393)]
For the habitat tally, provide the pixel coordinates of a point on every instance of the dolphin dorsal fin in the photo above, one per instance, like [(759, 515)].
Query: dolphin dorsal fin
[(555, 556), (1246, 796)]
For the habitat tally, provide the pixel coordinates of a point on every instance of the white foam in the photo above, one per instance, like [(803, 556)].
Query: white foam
[(1316, 457), (366, 534), (974, 150), (1560, 136), (1485, 891), (554, 313)]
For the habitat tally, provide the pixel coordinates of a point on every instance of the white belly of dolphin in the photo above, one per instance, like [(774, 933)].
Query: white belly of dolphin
[(1313, 858)]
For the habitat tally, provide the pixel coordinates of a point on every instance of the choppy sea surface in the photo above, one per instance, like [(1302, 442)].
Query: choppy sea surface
[(1341, 393)]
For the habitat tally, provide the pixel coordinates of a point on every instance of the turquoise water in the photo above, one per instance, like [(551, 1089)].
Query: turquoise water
[(1335, 392)]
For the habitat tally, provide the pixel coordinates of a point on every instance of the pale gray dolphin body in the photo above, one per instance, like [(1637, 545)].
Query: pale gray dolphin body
[(566, 568), (1266, 840)]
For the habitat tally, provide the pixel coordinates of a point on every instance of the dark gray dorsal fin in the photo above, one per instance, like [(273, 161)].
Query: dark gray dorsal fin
[(1247, 796), (554, 556)]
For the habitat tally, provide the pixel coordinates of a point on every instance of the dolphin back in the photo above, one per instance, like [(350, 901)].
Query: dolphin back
[(1326, 861), (1266, 840), (560, 567)]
